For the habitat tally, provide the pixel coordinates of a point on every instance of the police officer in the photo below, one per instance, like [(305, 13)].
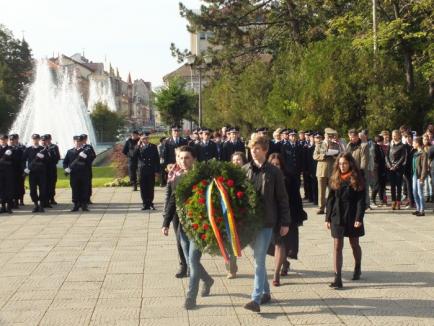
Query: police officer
[(90, 152), (19, 177), (293, 156), (149, 166), (171, 143), (76, 164), (6, 175), (36, 159), (206, 149), (232, 145), (128, 150), (53, 149), (304, 145)]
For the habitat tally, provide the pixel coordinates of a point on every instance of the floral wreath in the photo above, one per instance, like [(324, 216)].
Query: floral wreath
[(218, 208)]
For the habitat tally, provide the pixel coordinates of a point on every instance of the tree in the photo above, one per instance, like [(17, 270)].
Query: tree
[(175, 102), (106, 123), (15, 70)]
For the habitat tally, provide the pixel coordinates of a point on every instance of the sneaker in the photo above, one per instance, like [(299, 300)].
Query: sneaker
[(206, 289), (252, 306), (415, 213), (266, 298), (420, 214), (189, 304)]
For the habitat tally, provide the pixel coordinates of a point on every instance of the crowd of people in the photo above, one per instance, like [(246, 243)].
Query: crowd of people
[(39, 162), (343, 178)]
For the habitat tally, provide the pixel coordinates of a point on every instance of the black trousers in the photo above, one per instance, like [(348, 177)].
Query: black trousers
[(132, 171), (38, 181), (89, 182), (80, 188), (379, 189), (314, 187), (6, 186), (51, 182), (307, 186), (147, 184), (177, 229), (395, 179), (408, 183), (19, 181)]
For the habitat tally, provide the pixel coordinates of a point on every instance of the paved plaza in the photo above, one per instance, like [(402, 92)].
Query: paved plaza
[(112, 266)]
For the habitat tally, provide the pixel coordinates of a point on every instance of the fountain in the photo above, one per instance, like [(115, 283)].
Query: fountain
[(54, 107), (100, 90)]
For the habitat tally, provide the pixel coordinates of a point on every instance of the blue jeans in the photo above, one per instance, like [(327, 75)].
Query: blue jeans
[(260, 248), (418, 194), (197, 271)]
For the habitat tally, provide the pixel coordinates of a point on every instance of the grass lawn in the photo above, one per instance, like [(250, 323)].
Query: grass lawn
[(101, 175)]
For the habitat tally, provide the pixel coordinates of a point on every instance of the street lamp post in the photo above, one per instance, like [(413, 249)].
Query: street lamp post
[(200, 64)]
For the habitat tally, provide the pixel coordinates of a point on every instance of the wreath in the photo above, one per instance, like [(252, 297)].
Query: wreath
[(218, 208)]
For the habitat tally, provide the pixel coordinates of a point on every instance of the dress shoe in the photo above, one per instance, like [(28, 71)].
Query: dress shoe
[(84, 208), (252, 306), (337, 283), (320, 212), (53, 202), (189, 304), (75, 208), (152, 207), (35, 209), (181, 273)]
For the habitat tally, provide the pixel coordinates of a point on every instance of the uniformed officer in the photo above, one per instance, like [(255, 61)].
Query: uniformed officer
[(293, 156), (304, 145), (76, 164), (206, 149), (232, 145), (53, 149), (128, 150), (36, 160), (6, 175), (194, 138), (19, 176), (90, 152), (149, 167), (171, 143)]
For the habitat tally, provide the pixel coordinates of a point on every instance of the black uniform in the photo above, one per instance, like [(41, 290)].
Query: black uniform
[(149, 164), (128, 150), (90, 152), (19, 176), (293, 156), (169, 149), (80, 175), (307, 183), (312, 164), (231, 147), (206, 152), (37, 164), (53, 149), (275, 147), (7, 181)]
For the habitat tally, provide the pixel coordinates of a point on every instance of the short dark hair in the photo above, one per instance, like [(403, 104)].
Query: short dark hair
[(186, 148), (418, 140), (353, 132), (378, 138)]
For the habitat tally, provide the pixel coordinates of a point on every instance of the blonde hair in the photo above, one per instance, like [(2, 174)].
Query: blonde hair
[(259, 140)]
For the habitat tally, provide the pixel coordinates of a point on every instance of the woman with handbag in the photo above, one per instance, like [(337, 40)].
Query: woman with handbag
[(345, 212)]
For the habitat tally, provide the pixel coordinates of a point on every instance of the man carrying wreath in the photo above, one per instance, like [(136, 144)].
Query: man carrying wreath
[(268, 182)]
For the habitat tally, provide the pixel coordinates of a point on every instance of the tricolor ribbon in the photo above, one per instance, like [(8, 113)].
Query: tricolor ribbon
[(228, 217)]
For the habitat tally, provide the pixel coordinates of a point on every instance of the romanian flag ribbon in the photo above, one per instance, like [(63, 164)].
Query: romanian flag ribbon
[(229, 219)]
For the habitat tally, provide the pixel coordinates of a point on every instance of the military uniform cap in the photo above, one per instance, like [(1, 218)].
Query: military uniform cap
[(292, 131), (36, 136), (3, 136), (330, 131)]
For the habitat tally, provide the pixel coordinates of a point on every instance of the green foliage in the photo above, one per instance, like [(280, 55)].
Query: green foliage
[(175, 102), (15, 69), (106, 123), (193, 214)]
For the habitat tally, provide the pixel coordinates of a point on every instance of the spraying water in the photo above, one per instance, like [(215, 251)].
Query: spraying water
[(54, 108), (100, 90)]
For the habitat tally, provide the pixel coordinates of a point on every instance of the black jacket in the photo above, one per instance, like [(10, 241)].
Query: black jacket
[(148, 158), (293, 157), (54, 155), (345, 205), (206, 152), (229, 148), (272, 193), (7, 159), (76, 163), (129, 148), (379, 160), (396, 157), (298, 215), (170, 203), (34, 163), (169, 149)]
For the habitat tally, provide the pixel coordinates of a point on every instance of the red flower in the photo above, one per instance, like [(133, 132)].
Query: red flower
[(204, 182), (195, 226), (205, 227), (220, 179), (203, 236), (201, 200), (200, 191), (240, 194), (230, 183), (194, 187)]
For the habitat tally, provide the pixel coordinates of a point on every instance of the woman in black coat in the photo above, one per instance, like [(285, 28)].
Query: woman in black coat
[(345, 212), (286, 247)]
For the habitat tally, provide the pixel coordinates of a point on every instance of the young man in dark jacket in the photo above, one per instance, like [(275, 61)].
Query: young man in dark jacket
[(269, 184)]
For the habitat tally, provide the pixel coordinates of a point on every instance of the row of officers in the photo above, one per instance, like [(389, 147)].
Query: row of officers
[(39, 162)]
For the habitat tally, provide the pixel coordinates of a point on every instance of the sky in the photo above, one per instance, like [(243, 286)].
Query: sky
[(132, 35)]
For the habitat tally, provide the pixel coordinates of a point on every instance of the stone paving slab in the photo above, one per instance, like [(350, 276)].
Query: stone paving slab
[(111, 266)]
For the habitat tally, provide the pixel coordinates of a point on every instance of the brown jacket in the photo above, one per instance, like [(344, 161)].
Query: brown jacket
[(422, 166), (325, 164), (360, 153)]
